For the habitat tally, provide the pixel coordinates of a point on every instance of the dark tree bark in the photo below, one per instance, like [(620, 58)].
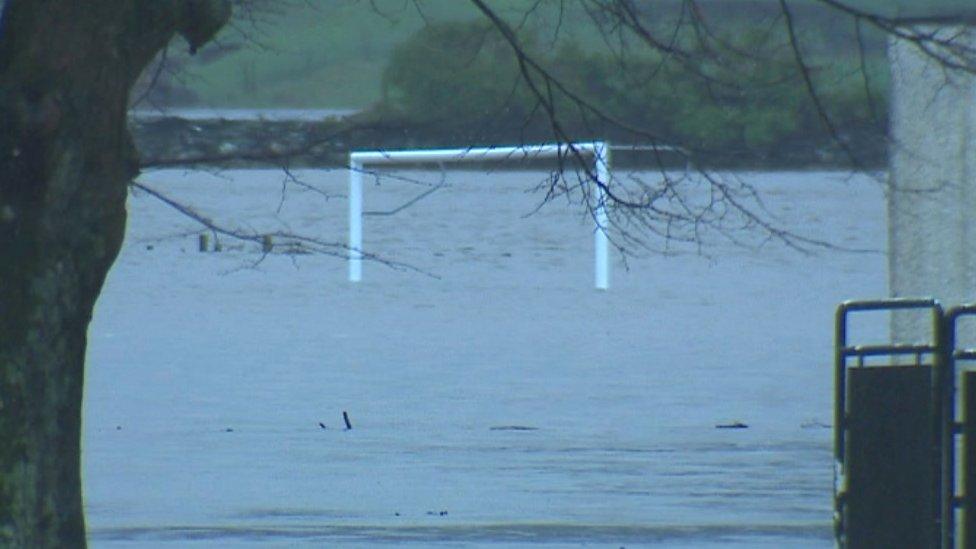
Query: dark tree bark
[(66, 159)]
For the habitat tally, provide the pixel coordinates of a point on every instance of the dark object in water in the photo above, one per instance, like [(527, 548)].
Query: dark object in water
[(345, 418), (437, 513), (512, 428), (228, 430), (322, 425), (734, 425)]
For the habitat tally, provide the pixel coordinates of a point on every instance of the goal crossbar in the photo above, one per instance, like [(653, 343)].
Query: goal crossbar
[(599, 151)]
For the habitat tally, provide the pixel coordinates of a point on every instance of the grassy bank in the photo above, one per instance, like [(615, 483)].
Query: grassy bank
[(332, 53)]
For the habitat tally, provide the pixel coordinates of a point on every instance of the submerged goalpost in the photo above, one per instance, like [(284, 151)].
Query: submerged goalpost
[(599, 151)]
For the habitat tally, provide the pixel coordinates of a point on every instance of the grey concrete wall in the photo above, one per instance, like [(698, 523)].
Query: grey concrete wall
[(932, 190)]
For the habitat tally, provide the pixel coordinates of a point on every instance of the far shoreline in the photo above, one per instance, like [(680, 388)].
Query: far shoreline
[(199, 136)]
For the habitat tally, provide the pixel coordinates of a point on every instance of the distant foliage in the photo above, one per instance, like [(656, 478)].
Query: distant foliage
[(455, 73), (462, 79)]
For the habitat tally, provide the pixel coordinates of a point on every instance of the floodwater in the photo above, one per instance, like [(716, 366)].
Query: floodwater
[(209, 373)]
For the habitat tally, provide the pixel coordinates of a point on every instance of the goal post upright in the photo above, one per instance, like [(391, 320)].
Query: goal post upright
[(355, 220), (600, 151)]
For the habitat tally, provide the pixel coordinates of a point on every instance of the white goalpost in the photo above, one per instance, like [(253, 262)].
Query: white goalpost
[(599, 151)]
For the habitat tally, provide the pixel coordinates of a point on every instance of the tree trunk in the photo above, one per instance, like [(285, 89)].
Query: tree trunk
[(66, 158)]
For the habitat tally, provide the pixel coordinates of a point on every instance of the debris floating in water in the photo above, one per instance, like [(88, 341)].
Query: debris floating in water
[(512, 428), (733, 425), (322, 425), (345, 418)]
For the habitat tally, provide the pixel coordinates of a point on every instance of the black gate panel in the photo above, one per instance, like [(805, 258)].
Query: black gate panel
[(893, 458)]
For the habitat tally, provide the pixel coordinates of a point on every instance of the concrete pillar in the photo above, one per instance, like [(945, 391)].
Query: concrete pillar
[(932, 191)]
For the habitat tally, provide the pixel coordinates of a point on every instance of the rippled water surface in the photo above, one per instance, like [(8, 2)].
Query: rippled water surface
[(209, 373)]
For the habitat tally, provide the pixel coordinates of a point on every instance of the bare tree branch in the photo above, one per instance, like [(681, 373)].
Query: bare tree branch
[(287, 240)]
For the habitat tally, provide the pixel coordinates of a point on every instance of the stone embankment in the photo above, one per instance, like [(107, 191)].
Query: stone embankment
[(176, 141), (326, 141)]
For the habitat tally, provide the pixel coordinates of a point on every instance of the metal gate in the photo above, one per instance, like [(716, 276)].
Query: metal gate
[(889, 403), (961, 501), (905, 434)]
